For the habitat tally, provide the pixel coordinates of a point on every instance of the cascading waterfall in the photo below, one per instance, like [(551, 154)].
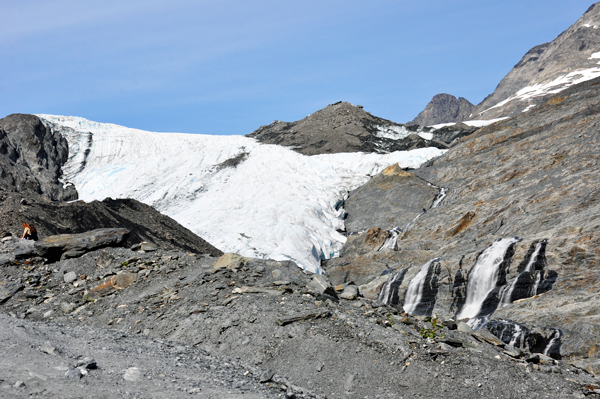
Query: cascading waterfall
[(392, 242), (536, 284), (553, 347), (441, 195), (483, 277), (529, 268), (389, 291), (414, 293)]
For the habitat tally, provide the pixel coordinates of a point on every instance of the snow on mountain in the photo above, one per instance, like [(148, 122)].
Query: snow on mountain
[(242, 196), (555, 86)]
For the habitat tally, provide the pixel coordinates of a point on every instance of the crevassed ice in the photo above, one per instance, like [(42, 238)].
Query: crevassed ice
[(276, 203)]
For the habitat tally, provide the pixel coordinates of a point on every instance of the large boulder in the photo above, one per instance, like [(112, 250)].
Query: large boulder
[(65, 246)]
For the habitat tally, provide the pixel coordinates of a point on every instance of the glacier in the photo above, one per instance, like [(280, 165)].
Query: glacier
[(258, 200)]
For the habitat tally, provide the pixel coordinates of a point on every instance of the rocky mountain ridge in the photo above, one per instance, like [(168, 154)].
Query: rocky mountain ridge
[(343, 127), (444, 108), (544, 70)]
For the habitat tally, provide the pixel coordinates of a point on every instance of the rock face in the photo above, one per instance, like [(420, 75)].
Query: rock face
[(444, 108), (534, 176), (31, 157), (391, 199), (343, 127)]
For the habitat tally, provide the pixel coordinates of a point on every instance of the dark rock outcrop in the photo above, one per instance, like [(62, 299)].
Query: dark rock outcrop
[(450, 134), (31, 158), (144, 222), (444, 108), (64, 246), (343, 127)]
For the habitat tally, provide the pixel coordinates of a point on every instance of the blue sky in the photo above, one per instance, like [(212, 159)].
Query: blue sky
[(227, 67)]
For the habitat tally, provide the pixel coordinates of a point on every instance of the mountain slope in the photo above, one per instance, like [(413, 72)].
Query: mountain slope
[(545, 70), (534, 176), (548, 68)]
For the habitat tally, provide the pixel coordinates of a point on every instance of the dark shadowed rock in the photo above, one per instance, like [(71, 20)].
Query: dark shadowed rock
[(31, 158), (450, 134), (444, 108), (66, 246)]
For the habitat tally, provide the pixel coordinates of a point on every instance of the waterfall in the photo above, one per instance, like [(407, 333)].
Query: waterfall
[(389, 292), (553, 346), (534, 256), (507, 293), (392, 242), (414, 293), (409, 226), (442, 194), (529, 268), (483, 277), (534, 288)]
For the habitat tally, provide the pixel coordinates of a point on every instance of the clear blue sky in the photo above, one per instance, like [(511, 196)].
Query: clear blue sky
[(229, 66)]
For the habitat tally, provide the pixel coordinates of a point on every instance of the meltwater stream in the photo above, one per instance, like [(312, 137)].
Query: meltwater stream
[(483, 277), (392, 241)]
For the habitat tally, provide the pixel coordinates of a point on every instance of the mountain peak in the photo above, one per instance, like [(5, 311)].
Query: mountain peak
[(343, 127), (444, 108)]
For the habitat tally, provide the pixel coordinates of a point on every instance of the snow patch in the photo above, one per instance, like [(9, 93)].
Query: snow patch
[(258, 200), (476, 123), (553, 87)]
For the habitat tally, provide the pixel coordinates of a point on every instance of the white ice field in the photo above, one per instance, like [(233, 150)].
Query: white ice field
[(275, 203)]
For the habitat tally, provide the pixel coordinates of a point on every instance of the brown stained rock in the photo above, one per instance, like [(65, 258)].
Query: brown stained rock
[(464, 222), (396, 170), (112, 284), (229, 261)]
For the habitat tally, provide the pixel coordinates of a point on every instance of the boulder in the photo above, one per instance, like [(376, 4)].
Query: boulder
[(229, 261), (65, 246), (113, 283)]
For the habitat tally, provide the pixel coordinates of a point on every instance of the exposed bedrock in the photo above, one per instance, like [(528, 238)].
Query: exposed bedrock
[(534, 176), (390, 199), (31, 158)]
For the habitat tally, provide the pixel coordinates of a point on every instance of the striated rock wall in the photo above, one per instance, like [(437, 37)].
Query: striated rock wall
[(534, 176)]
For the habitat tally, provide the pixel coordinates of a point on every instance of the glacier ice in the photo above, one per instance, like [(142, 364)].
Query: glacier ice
[(242, 196)]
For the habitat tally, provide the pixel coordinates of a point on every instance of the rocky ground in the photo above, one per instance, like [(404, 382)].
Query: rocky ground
[(167, 324)]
